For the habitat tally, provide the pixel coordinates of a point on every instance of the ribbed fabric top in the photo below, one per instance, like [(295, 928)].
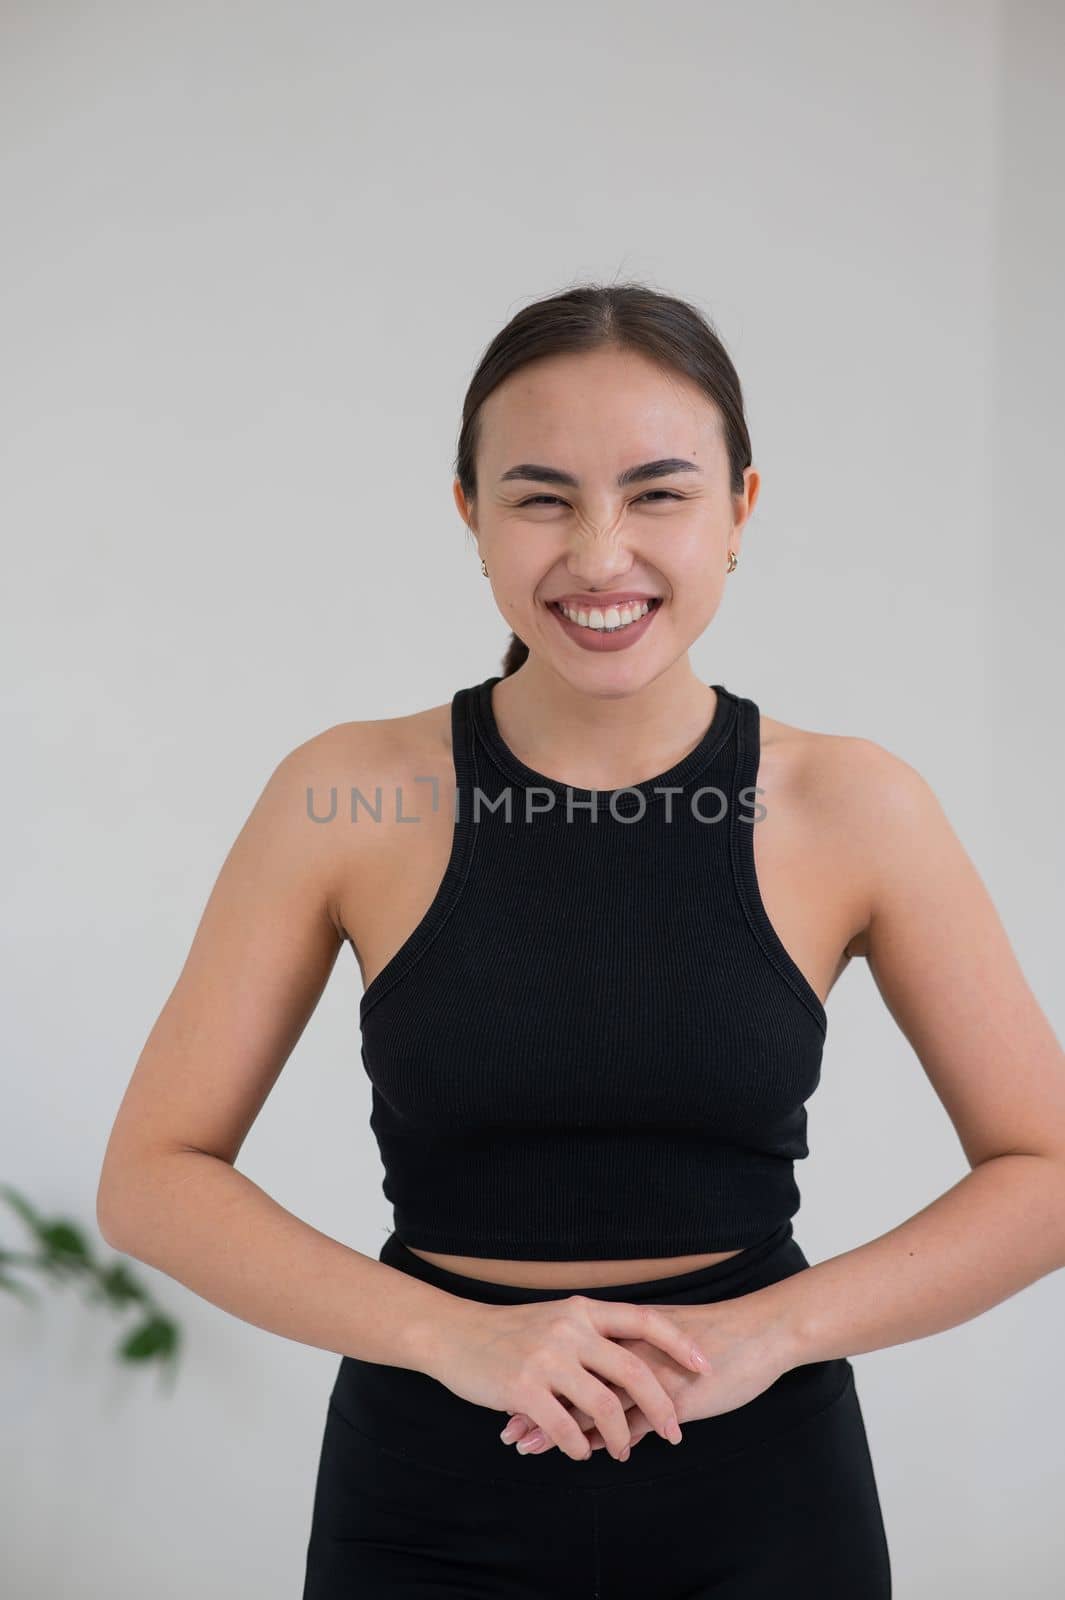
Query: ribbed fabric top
[(594, 1044)]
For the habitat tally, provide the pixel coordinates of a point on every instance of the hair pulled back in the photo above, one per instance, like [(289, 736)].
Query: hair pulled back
[(629, 316)]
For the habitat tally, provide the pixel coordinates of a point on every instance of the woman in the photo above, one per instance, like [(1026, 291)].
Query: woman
[(593, 1011)]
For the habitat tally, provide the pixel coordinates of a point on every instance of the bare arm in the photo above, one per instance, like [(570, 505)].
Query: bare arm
[(947, 972), (169, 1192)]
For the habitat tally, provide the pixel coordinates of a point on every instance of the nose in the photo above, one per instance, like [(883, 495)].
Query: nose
[(598, 558)]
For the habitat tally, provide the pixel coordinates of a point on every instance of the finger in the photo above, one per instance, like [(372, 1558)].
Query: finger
[(604, 1404), (597, 1442), (617, 1319), (540, 1444), (534, 1442), (631, 1373), (587, 1422), (639, 1428), (557, 1425), (520, 1425)]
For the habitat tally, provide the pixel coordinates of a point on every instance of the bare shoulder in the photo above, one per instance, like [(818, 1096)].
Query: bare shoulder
[(377, 750), (843, 798), (840, 768), (359, 781)]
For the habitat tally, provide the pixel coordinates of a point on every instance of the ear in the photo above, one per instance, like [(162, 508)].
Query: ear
[(742, 507), (464, 508)]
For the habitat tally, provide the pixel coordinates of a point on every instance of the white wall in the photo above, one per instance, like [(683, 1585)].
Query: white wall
[(252, 253)]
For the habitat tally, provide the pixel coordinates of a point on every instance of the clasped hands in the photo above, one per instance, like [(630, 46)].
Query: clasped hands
[(583, 1374), (744, 1360)]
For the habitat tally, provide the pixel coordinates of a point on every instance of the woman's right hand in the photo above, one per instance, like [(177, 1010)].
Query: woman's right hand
[(533, 1356)]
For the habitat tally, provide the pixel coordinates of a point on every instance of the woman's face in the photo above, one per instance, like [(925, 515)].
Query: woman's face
[(591, 540)]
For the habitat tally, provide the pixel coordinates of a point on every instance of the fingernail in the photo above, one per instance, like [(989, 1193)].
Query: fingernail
[(529, 1441), (698, 1357), (510, 1433), (674, 1433)]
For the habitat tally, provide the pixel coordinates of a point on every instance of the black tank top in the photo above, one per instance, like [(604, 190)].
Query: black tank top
[(594, 1044)]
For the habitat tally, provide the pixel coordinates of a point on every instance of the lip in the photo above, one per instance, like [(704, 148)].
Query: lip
[(594, 639), (600, 601)]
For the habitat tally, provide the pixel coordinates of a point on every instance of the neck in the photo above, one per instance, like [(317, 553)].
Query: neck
[(612, 734)]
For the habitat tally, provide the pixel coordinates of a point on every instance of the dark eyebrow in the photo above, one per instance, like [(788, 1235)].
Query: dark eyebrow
[(650, 469)]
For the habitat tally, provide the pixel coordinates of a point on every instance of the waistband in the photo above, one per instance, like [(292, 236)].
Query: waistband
[(720, 1279)]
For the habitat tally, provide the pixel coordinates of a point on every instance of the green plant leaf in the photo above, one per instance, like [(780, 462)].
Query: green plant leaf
[(62, 1251), (14, 1286), (118, 1285), (19, 1203), (65, 1242), (156, 1337)]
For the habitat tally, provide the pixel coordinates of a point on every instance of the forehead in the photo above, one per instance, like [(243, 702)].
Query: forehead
[(604, 406)]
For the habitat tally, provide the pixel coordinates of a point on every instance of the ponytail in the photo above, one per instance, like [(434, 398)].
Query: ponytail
[(517, 652)]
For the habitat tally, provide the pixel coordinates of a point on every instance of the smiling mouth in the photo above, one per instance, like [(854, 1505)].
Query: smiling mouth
[(607, 618)]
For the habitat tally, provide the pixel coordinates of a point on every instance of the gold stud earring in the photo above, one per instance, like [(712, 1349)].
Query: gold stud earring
[(484, 569), (732, 562)]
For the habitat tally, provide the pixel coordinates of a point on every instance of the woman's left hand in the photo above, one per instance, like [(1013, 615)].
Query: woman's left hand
[(747, 1355)]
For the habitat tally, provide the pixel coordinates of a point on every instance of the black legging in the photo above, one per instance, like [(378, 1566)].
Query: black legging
[(775, 1500)]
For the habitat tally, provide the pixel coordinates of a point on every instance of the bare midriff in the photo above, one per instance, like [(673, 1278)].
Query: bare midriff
[(569, 1274)]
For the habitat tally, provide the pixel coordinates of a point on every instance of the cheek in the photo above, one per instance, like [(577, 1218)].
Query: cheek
[(696, 566), (695, 594), (516, 595), (707, 604), (692, 547), (519, 576)]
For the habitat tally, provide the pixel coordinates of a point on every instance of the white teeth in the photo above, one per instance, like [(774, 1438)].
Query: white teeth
[(606, 621)]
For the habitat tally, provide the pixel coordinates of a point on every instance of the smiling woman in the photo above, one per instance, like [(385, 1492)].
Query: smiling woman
[(674, 381), (589, 1046), (594, 1010)]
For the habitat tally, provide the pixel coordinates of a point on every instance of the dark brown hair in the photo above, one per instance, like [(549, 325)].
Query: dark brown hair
[(630, 316)]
